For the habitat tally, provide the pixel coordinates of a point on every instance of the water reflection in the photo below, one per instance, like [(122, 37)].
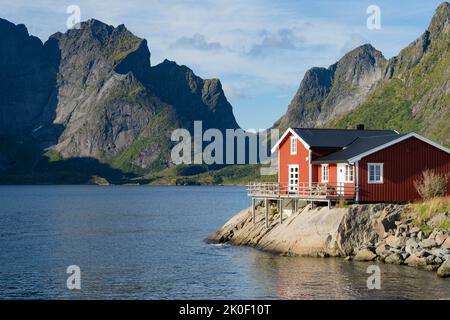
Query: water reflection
[(334, 278)]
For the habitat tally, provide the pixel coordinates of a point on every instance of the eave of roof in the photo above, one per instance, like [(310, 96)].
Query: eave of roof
[(316, 138), (355, 152), (357, 147)]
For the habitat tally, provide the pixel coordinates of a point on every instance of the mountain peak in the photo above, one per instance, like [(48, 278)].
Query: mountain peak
[(113, 43), (94, 23), (441, 20), (443, 7), (366, 47), (327, 93), (365, 50)]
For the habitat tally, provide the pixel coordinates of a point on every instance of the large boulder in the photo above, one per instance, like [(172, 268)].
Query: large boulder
[(382, 250), (365, 255), (416, 261), (395, 242), (444, 269), (446, 244), (394, 258), (427, 243), (440, 238), (411, 245)]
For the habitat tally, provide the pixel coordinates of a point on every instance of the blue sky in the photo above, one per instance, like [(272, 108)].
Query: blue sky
[(259, 49)]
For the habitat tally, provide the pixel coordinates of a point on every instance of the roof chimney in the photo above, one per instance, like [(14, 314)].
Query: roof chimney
[(360, 126)]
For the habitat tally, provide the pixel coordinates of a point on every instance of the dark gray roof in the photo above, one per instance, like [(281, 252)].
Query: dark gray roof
[(336, 138), (360, 145)]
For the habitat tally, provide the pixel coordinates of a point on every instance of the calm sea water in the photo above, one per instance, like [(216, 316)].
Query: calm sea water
[(149, 243)]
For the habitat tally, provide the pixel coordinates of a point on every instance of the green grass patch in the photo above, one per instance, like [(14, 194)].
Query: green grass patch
[(53, 156), (422, 212)]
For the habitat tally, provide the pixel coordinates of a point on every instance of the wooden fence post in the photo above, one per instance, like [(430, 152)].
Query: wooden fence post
[(281, 211), (253, 210)]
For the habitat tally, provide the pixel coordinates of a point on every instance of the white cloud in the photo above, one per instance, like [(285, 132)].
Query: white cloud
[(196, 42)]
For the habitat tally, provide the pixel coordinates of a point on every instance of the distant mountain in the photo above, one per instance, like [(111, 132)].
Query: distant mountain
[(92, 94), (325, 94), (410, 92), (28, 73)]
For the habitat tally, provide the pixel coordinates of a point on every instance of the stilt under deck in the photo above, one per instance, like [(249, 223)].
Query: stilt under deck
[(304, 191)]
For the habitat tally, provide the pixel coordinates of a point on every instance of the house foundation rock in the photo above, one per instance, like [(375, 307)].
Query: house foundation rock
[(360, 232)]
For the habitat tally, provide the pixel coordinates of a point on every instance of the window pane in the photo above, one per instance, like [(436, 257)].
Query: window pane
[(375, 173), (293, 145)]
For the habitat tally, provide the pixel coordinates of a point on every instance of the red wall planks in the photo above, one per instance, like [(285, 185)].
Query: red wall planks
[(403, 164)]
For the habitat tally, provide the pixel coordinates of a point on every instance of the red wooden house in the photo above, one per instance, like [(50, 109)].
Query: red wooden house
[(358, 165)]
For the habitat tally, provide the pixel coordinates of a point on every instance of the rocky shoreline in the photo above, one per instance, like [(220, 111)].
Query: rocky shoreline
[(368, 232)]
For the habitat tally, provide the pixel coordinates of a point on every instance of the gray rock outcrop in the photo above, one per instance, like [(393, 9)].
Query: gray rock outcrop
[(365, 232)]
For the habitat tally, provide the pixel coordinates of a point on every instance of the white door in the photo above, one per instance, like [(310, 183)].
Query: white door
[(293, 178), (340, 178)]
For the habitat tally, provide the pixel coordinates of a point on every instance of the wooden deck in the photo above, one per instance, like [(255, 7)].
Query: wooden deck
[(316, 192)]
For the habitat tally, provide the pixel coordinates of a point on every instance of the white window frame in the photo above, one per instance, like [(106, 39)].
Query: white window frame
[(323, 171), (352, 173), (293, 187), (293, 145), (375, 164)]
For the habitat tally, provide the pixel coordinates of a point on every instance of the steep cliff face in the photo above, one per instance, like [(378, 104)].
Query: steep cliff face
[(192, 97), (327, 93), (102, 104), (92, 93), (27, 80), (414, 95)]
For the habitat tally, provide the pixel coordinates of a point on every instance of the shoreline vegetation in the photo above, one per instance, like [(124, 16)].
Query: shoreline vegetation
[(416, 235), (181, 175)]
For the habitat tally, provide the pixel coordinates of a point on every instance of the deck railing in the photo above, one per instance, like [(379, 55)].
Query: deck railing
[(302, 190)]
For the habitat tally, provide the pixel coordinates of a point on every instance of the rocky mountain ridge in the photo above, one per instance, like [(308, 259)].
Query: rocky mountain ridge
[(92, 93), (409, 92)]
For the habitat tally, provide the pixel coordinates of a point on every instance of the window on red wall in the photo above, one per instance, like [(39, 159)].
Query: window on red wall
[(375, 172), (293, 145), (325, 173), (348, 173)]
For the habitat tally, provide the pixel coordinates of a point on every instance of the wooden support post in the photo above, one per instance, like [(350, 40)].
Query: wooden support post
[(281, 211), (253, 210), (267, 212)]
